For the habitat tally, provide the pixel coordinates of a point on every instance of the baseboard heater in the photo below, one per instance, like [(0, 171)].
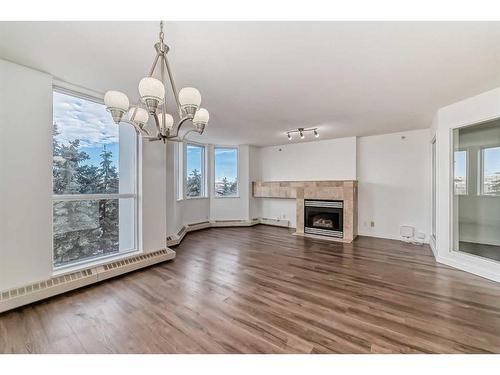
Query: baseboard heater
[(12, 298)]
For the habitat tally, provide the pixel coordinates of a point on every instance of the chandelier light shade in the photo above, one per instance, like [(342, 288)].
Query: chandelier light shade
[(169, 122), (189, 96), (117, 104), (201, 116), (151, 88), (152, 103), (138, 116)]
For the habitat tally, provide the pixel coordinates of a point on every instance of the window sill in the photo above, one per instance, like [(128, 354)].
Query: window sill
[(194, 198), (228, 197), (61, 270)]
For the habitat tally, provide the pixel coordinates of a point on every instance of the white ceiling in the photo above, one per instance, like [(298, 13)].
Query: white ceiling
[(259, 79)]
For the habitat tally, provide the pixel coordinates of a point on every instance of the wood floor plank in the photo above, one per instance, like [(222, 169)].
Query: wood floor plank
[(262, 290)]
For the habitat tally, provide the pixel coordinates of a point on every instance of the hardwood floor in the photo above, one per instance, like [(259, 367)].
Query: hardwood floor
[(262, 290)]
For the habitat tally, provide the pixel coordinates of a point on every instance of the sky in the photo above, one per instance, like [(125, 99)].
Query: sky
[(225, 163), (88, 121), (194, 158)]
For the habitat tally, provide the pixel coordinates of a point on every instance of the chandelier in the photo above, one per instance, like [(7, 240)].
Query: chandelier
[(301, 132), (152, 103)]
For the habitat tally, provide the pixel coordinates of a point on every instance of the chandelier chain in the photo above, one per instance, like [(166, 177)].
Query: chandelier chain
[(162, 35)]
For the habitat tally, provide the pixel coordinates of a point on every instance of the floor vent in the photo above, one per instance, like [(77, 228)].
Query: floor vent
[(16, 297)]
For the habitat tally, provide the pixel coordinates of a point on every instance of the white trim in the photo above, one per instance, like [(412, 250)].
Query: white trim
[(97, 97), (444, 248), (90, 197), (480, 190), (93, 262), (71, 89), (204, 191)]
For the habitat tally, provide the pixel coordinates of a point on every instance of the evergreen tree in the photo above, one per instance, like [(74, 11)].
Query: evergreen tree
[(108, 208), (234, 188), (194, 184), (496, 185), (83, 229), (226, 188)]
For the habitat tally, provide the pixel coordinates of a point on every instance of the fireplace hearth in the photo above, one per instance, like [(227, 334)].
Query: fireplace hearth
[(324, 217)]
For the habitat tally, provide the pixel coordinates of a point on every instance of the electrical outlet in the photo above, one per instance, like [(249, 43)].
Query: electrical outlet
[(372, 223)]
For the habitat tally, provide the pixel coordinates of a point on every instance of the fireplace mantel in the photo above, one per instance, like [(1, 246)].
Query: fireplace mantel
[(344, 190)]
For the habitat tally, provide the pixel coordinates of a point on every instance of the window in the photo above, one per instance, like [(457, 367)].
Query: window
[(490, 171), (226, 171), (460, 173), (195, 171), (94, 182)]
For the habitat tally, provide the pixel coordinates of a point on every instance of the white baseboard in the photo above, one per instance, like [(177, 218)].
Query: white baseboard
[(62, 283), (488, 270), (176, 238)]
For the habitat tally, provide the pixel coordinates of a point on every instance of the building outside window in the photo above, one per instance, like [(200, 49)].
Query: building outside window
[(195, 171), (94, 182), (226, 171), (490, 181)]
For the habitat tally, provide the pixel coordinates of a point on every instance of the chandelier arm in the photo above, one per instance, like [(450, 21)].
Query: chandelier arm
[(162, 72), (154, 64), (138, 129), (157, 123), (186, 133), (172, 84), (178, 127)]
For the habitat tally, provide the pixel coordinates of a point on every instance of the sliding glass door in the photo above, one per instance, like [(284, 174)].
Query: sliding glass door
[(476, 190)]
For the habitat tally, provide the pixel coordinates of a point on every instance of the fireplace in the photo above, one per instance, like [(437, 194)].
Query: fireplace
[(324, 217)]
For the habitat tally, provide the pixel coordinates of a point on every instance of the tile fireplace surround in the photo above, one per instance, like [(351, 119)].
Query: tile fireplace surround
[(346, 191)]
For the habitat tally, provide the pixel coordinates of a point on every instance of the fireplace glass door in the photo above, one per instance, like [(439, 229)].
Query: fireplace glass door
[(323, 217)]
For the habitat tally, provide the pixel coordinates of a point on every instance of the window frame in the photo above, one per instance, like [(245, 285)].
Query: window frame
[(179, 171), (97, 98), (467, 171), (481, 192), (204, 190), (237, 195)]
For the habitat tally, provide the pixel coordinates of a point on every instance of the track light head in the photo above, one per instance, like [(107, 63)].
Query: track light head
[(289, 136), (316, 134)]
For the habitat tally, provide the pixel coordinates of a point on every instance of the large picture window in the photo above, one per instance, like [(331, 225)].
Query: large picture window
[(226, 171), (94, 181), (490, 168), (195, 171)]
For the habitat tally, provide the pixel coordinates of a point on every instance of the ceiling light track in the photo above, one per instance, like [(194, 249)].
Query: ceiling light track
[(301, 132), (152, 103)]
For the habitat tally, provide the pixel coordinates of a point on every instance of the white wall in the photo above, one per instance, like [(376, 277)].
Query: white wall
[(26, 180), (394, 183), (153, 196), (393, 175), (479, 108), (331, 159), (254, 174), (182, 212), (25, 175)]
